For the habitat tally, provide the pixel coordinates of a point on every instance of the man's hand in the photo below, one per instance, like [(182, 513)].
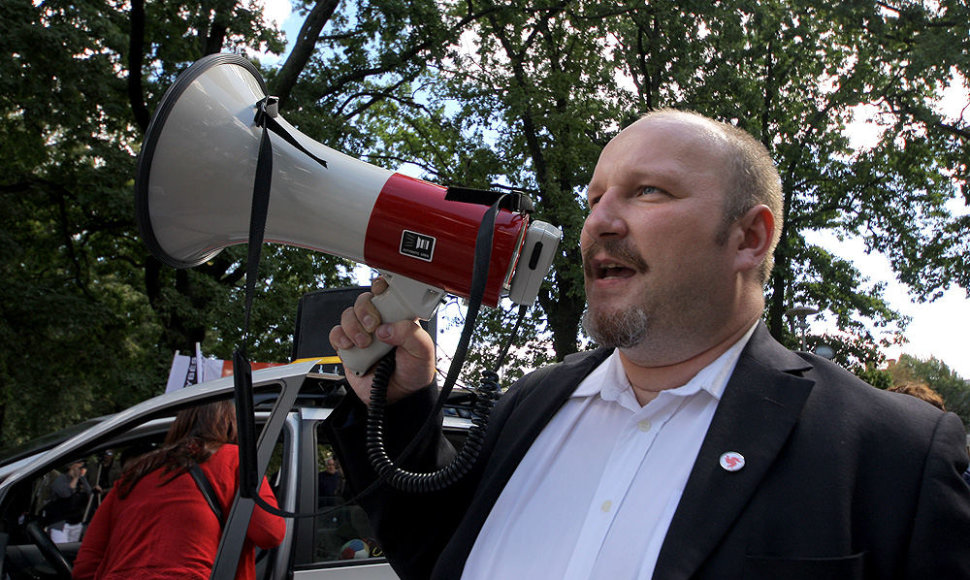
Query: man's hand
[(414, 357)]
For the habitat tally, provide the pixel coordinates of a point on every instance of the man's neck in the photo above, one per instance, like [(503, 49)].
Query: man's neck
[(648, 380)]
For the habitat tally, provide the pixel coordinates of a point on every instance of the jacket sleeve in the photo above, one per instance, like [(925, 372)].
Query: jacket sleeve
[(95, 541), (265, 529), (941, 527)]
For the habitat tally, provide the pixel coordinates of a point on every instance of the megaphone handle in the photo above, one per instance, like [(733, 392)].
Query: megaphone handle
[(404, 299)]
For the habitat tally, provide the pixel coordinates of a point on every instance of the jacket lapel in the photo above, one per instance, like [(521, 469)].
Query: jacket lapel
[(758, 410)]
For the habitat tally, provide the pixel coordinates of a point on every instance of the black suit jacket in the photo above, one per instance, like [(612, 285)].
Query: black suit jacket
[(841, 480)]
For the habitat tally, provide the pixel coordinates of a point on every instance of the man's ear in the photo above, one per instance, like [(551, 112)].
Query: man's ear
[(757, 231)]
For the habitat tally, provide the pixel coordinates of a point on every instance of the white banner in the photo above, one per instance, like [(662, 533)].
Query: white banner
[(192, 370)]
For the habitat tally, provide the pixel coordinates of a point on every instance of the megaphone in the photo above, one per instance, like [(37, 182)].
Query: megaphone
[(195, 183)]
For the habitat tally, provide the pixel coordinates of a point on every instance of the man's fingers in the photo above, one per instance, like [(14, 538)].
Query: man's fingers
[(339, 339), (361, 323), (367, 314), (408, 336), (352, 328), (379, 285)]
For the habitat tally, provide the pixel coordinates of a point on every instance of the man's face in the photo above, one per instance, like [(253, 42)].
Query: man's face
[(657, 274)]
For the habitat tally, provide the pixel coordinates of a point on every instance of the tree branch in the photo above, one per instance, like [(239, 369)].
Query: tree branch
[(404, 56), (303, 49), (953, 130), (219, 27), (136, 52)]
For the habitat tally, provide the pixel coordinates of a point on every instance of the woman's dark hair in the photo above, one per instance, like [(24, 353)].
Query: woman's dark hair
[(196, 434)]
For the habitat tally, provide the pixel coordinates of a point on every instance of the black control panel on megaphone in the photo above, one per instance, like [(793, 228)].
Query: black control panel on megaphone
[(195, 182)]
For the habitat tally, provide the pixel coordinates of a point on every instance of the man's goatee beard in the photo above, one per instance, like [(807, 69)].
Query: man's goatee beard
[(624, 329)]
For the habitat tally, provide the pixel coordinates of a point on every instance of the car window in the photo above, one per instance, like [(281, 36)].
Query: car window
[(66, 499), (342, 532)]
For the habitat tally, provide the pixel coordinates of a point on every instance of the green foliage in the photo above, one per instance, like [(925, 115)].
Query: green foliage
[(878, 378)]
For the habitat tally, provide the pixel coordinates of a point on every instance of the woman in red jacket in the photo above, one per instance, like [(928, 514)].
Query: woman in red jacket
[(155, 523)]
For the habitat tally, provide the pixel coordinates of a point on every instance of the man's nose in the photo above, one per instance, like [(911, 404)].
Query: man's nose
[(606, 217)]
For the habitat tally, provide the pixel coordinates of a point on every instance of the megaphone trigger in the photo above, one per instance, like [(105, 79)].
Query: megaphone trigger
[(404, 299)]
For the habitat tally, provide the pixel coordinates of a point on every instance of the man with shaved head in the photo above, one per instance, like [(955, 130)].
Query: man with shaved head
[(690, 444)]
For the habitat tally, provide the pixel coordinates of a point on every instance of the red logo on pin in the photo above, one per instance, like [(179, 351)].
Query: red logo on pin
[(732, 461)]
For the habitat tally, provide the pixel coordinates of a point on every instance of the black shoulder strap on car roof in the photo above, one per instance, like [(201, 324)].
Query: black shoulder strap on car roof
[(205, 486)]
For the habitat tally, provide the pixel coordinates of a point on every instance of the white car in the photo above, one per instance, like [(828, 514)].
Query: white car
[(291, 402)]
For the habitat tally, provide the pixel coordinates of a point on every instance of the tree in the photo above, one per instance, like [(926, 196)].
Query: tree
[(80, 80), (72, 324)]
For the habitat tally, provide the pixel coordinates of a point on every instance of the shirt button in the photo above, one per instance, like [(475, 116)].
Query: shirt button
[(644, 425), (606, 505)]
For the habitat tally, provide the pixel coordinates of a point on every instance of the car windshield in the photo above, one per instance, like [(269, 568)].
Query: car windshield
[(44, 442)]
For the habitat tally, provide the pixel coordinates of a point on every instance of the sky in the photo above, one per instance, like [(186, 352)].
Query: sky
[(937, 329)]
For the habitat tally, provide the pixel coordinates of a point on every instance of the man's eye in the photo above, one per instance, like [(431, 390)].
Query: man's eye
[(648, 190)]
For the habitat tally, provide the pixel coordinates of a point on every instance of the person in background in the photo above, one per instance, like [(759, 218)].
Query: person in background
[(107, 470), (330, 483), (921, 391), (71, 493), (691, 444), (155, 521)]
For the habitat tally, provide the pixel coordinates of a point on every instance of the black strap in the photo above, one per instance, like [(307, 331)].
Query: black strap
[(514, 201), (266, 120), (3, 550), (208, 492), (242, 371)]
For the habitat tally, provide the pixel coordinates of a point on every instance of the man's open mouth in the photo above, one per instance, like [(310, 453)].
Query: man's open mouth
[(613, 271)]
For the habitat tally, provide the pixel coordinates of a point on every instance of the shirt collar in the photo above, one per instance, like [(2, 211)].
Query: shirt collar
[(610, 382)]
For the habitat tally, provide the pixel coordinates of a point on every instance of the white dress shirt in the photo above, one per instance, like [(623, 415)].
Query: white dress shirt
[(595, 493)]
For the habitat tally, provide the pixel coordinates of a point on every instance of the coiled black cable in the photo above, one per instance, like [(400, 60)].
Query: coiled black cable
[(413, 482)]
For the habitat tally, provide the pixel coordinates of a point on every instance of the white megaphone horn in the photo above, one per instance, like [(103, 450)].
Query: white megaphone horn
[(195, 184)]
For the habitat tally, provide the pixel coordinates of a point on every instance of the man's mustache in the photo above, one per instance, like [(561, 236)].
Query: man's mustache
[(617, 248)]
